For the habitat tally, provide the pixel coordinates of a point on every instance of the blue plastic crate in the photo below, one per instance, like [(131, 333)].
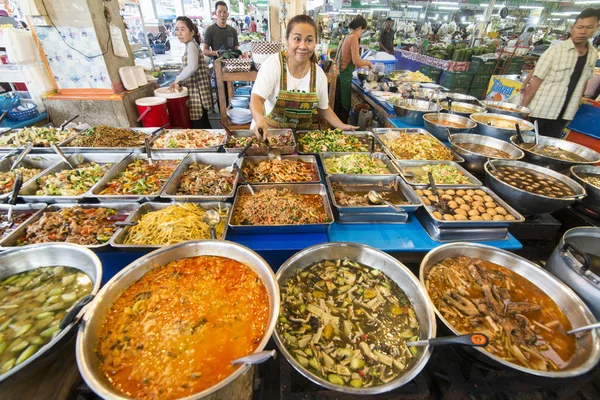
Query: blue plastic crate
[(587, 121)]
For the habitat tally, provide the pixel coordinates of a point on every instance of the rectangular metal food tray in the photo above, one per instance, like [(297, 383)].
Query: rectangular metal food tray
[(473, 224), (21, 208), (137, 149), (219, 161), (119, 237), (27, 193), (40, 161), (372, 182), (209, 149), (379, 133), (371, 218), (460, 234), (381, 156), (255, 160), (365, 137), (417, 163), (263, 150), (122, 166), (310, 188), (35, 150), (11, 240)]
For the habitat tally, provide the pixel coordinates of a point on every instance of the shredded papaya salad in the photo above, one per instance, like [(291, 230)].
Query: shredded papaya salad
[(140, 178), (7, 179), (331, 140), (71, 182)]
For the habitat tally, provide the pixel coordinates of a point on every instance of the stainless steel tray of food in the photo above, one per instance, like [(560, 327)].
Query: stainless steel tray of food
[(378, 156), (365, 138), (444, 223), (407, 171), (460, 234), (20, 212), (70, 134), (263, 149), (370, 218), (312, 160), (208, 149), (39, 161), (67, 148), (120, 235), (115, 172), (362, 183), (218, 161), (19, 233), (28, 191), (381, 134), (310, 188)]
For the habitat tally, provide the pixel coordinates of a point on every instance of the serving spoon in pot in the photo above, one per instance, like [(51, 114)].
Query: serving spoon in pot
[(471, 339), (256, 358), (584, 328), (229, 170), (376, 198), (211, 218), (21, 156)]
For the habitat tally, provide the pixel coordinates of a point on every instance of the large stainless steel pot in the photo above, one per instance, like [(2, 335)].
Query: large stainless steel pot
[(468, 108), (556, 164), (87, 337), (568, 265), (592, 200), (528, 203), (587, 354), (411, 111), (499, 107), (474, 161), (48, 255), (483, 127), (393, 269), (441, 131)]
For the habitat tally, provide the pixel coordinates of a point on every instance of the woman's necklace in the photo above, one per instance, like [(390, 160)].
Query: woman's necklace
[(297, 82)]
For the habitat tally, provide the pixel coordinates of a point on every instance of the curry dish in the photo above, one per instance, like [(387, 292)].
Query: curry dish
[(524, 325), (407, 146), (176, 330)]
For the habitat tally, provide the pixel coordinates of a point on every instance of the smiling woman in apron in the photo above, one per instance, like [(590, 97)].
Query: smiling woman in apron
[(194, 75), (290, 87)]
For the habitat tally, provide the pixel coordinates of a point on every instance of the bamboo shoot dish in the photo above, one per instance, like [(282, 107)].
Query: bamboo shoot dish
[(7, 179), (205, 180), (188, 139), (331, 140), (348, 323), (140, 178), (356, 163), (406, 146), (38, 136), (32, 304), (280, 171), (175, 331), (71, 182), (524, 325)]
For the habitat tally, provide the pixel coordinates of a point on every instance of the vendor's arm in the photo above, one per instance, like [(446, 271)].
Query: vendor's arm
[(192, 64), (530, 90), (333, 120), (355, 52), (257, 108)]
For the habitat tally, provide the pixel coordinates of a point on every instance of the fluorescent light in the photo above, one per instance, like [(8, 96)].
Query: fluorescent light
[(448, 8), (463, 19), (414, 6), (588, 2), (509, 17), (448, 3), (530, 7), (484, 5), (374, 1)]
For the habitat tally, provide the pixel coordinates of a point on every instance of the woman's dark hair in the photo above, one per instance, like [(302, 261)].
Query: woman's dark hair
[(303, 19), (191, 26), (358, 22)]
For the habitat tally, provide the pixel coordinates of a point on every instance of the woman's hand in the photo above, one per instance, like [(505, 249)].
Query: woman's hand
[(261, 129), (369, 65), (175, 86), (346, 127)]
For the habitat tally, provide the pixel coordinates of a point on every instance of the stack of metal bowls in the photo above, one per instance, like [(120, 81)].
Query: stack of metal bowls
[(556, 164), (499, 107), (592, 200), (528, 203), (463, 98), (474, 161), (466, 108), (485, 126), (440, 130), (411, 111)]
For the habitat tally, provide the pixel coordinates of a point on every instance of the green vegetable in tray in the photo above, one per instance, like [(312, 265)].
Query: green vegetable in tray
[(357, 163), (334, 140), (443, 174), (71, 182)]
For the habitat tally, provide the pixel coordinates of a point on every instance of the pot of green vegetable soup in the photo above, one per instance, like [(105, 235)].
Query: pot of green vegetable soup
[(43, 291), (347, 312)]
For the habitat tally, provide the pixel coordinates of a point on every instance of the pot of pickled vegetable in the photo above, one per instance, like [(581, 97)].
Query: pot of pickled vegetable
[(588, 176), (39, 285), (347, 311)]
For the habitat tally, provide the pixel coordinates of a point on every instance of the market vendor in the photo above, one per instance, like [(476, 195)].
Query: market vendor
[(386, 37), (290, 87)]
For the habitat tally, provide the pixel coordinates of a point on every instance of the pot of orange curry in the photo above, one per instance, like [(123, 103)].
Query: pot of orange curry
[(170, 323), (524, 310)]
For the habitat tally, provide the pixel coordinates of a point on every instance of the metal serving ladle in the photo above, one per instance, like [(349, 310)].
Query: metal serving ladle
[(21, 156), (256, 358), (58, 151), (211, 218), (471, 339), (584, 328), (376, 198)]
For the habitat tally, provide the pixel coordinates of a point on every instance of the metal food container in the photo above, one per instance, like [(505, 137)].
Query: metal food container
[(474, 161), (376, 183), (441, 131), (591, 156), (255, 160), (209, 149), (514, 110), (382, 134), (27, 193), (122, 208), (218, 161), (263, 150), (483, 128), (364, 137), (36, 150), (40, 255), (526, 202), (136, 149), (592, 200), (429, 94), (472, 108), (310, 188), (587, 354), (18, 209), (406, 112), (405, 173), (476, 224), (464, 98), (122, 166), (397, 272), (379, 156), (40, 161), (120, 235), (88, 336)]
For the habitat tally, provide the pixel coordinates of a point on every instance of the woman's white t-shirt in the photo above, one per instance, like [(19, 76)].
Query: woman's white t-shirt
[(267, 84)]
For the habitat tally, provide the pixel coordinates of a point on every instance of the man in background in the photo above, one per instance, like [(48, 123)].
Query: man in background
[(252, 25), (220, 36), (386, 37)]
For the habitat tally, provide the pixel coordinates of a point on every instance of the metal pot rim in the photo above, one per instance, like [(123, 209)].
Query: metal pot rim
[(470, 124), (490, 138), (554, 142), (529, 126)]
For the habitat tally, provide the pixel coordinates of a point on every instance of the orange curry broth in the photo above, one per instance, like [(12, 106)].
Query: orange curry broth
[(176, 330)]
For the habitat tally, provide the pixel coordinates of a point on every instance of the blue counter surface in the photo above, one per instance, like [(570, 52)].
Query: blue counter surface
[(9, 123)]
